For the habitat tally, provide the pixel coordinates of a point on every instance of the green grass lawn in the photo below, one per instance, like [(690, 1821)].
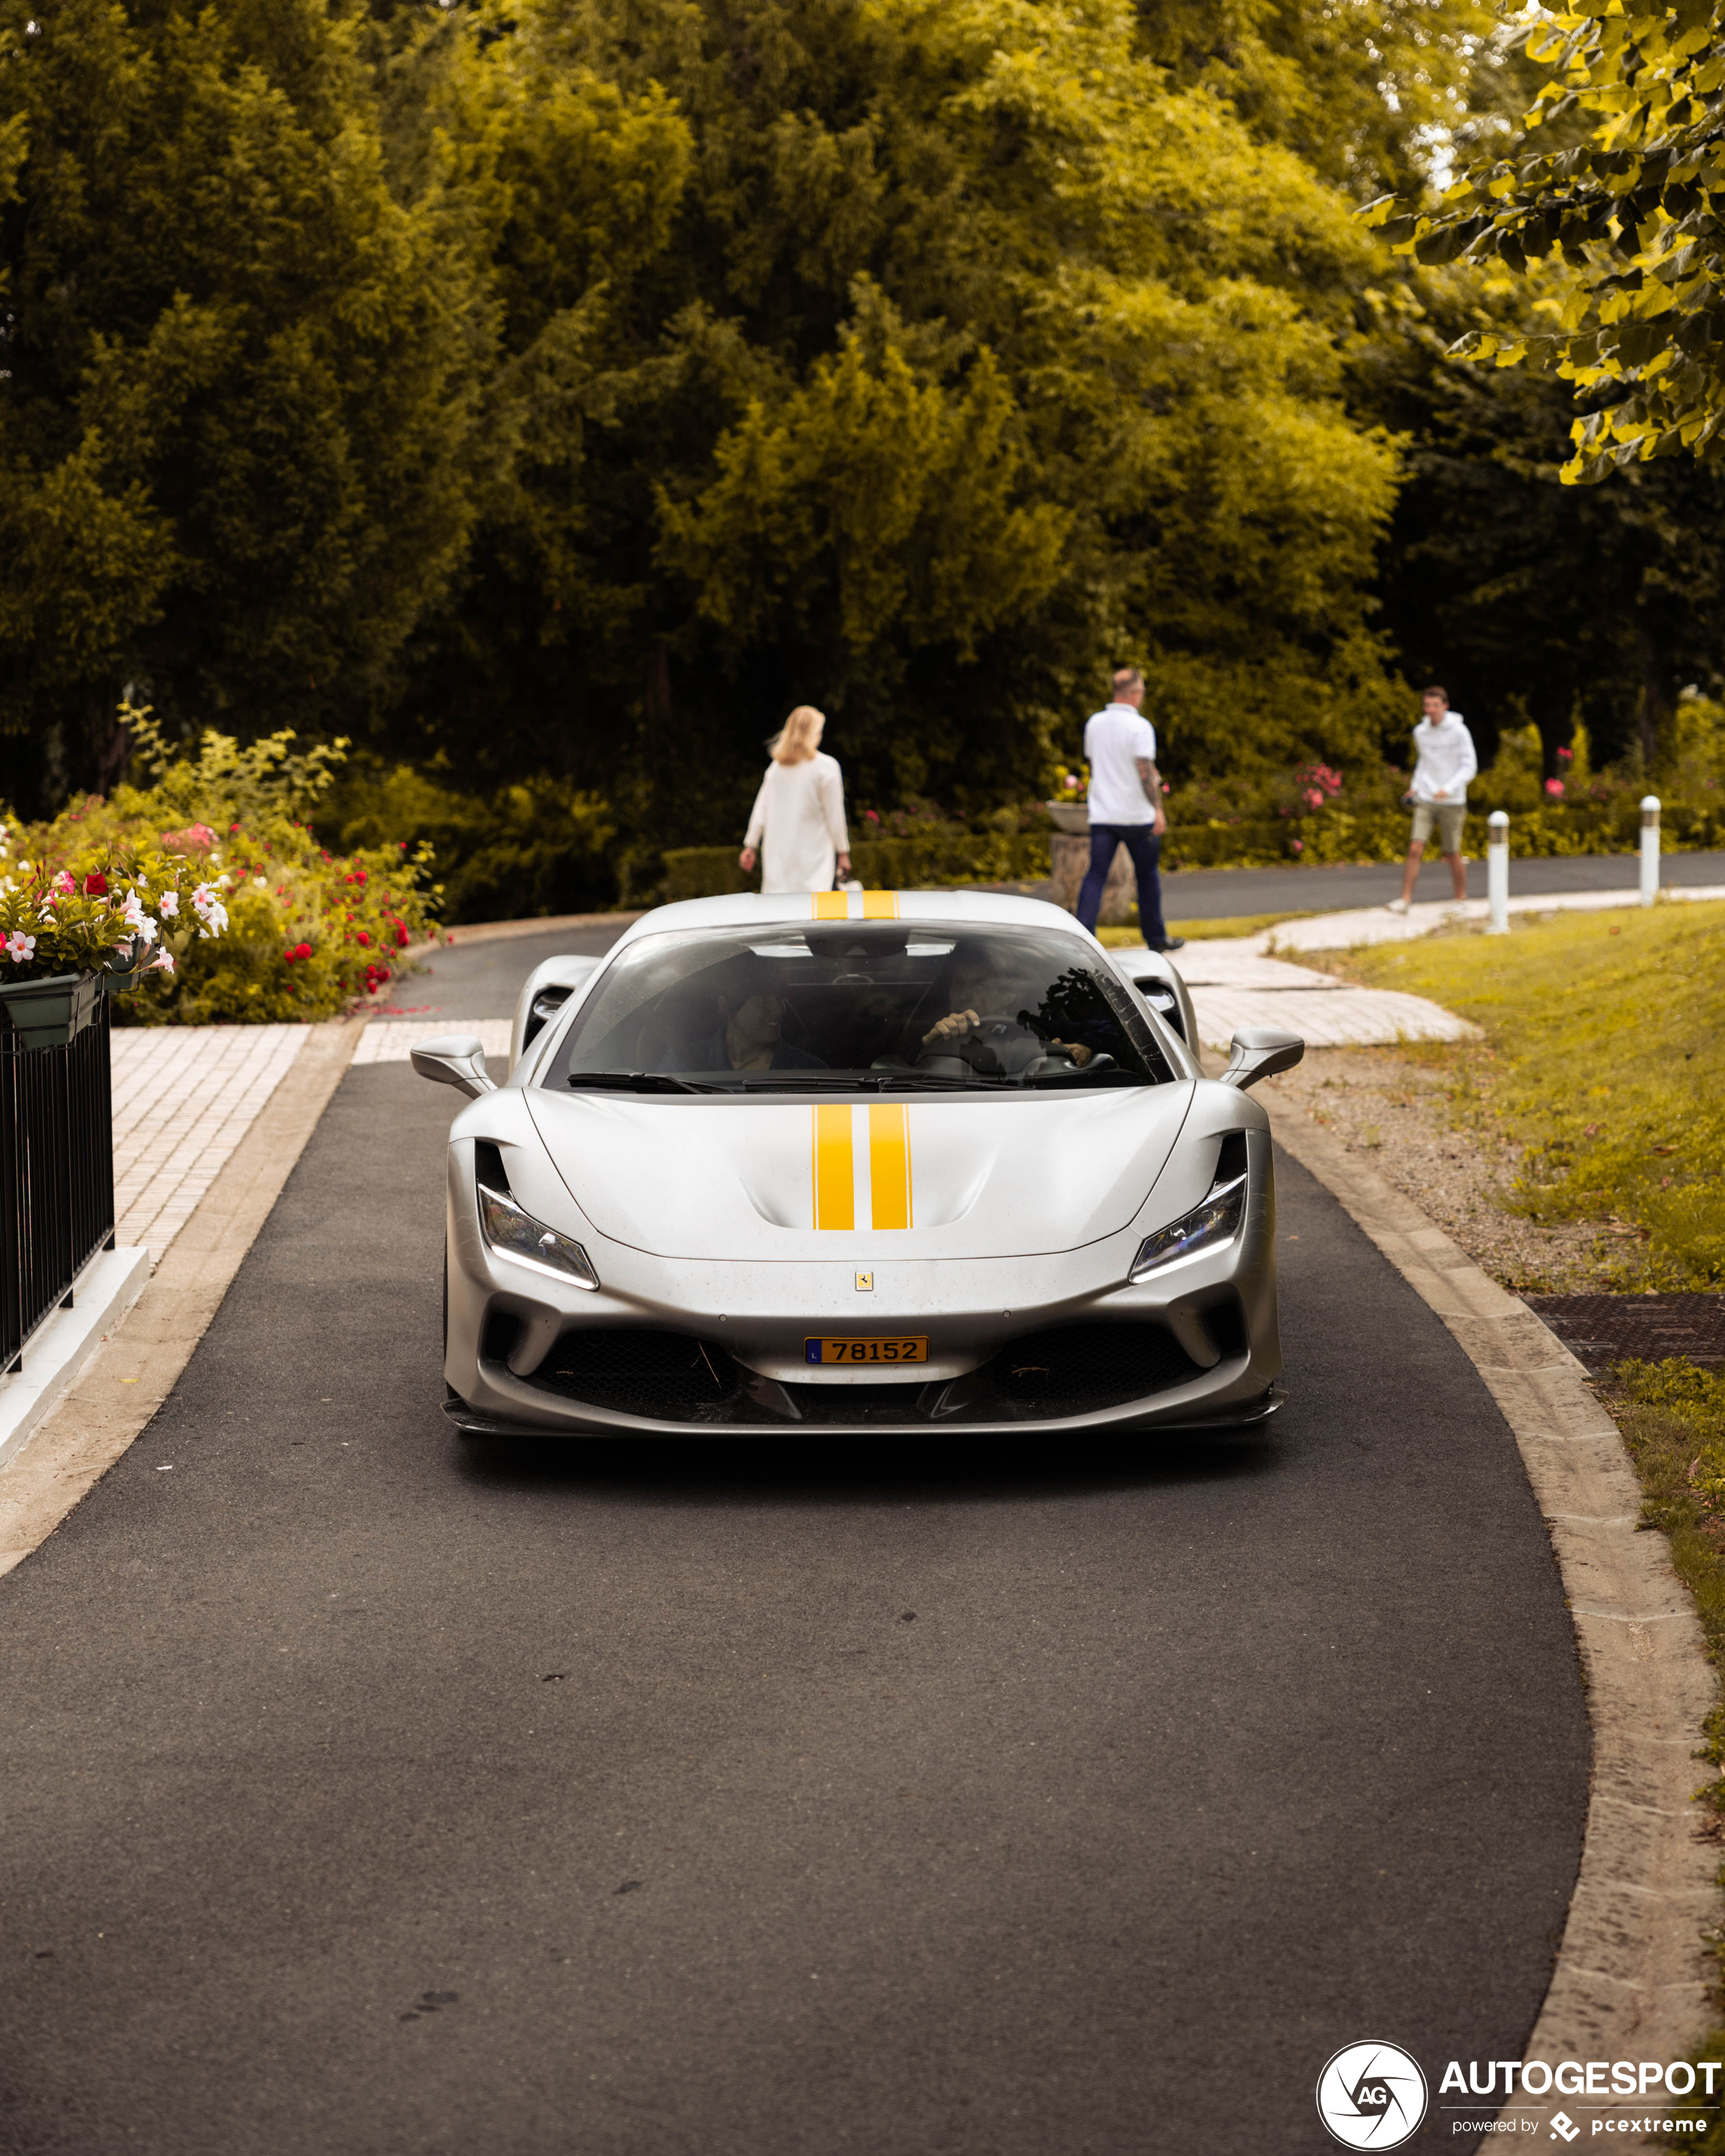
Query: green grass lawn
[(1602, 1059)]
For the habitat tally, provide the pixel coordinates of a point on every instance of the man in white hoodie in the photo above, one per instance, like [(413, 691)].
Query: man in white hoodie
[(1444, 762)]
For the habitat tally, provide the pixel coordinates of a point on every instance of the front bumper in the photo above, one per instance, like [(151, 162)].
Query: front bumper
[(1057, 1344)]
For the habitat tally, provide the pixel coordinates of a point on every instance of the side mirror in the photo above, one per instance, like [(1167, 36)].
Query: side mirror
[(457, 1059), (1259, 1051)]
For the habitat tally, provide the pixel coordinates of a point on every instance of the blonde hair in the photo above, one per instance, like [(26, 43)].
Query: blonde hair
[(795, 741)]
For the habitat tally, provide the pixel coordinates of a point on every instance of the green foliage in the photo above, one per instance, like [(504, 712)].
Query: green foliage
[(268, 926), (1672, 1417), (239, 418), (935, 858), (542, 847), (1632, 210), (977, 352), (117, 910), (1603, 1032), (1530, 600)]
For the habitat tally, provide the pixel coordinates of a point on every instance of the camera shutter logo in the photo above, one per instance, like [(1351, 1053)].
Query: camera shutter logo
[(1371, 2096)]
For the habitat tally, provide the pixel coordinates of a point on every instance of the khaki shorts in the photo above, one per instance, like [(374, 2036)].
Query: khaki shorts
[(1449, 816)]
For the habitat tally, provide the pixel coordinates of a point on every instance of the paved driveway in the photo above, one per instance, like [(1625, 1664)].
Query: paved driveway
[(371, 1793)]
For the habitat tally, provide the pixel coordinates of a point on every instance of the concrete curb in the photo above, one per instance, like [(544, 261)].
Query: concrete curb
[(122, 1384), (55, 1356), (1632, 1976)]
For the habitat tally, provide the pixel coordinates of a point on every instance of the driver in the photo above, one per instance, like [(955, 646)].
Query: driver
[(987, 981)]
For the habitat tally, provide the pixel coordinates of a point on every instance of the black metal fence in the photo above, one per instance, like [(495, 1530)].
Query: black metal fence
[(56, 1174)]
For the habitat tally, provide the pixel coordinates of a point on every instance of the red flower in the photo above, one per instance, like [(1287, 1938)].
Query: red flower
[(401, 939), (95, 885), (364, 939)]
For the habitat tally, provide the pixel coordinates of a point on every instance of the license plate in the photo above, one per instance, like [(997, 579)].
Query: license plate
[(911, 1347)]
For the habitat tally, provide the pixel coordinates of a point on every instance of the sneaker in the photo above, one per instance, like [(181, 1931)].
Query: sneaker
[(1396, 905)]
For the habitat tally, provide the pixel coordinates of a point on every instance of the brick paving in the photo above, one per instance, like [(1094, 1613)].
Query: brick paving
[(391, 1040), (184, 1097)]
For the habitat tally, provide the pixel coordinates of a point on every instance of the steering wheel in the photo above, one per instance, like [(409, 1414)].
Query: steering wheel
[(976, 1048)]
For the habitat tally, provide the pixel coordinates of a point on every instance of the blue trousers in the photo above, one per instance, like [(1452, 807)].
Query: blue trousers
[(1141, 842)]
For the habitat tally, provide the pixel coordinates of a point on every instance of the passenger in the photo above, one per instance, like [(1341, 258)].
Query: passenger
[(986, 984), (748, 1037)]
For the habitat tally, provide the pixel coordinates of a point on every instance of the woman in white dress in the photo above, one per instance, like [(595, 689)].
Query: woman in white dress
[(798, 821)]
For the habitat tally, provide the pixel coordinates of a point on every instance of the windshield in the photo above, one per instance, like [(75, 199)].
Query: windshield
[(858, 1006)]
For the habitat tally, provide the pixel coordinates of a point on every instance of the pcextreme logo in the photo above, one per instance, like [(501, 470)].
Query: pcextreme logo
[(1371, 2096)]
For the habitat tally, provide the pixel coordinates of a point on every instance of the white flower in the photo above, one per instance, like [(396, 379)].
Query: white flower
[(136, 920), (20, 947), (168, 905), (215, 920), (162, 963)]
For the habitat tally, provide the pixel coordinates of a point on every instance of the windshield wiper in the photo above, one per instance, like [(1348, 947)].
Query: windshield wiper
[(937, 1082), (637, 1081)]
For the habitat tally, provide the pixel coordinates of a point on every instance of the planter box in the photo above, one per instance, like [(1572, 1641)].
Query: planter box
[(53, 1013), (1072, 817)]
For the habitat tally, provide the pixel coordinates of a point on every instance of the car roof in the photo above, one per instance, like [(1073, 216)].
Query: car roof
[(758, 909)]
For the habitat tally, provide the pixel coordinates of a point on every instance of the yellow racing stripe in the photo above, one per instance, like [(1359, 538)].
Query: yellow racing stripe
[(880, 906), (890, 1165), (831, 905), (834, 1170)]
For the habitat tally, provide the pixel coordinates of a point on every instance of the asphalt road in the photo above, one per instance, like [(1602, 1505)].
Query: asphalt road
[(1222, 894), (372, 1793), (483, 979)]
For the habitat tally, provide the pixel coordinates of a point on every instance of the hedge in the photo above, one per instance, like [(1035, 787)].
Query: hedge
[(1329, 837), (915, 863)]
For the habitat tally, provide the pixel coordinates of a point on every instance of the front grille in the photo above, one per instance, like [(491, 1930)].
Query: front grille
[(665, 1376), (672, 1376), (1073, 1368)]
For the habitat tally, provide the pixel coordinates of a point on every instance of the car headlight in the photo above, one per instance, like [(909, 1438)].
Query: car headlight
[(514, 1233), (1215, 1222)]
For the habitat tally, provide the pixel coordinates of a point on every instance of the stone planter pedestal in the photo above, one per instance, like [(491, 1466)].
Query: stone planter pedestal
[(1070, 858)]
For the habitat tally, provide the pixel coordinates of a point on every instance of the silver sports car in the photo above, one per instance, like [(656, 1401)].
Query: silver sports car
[(904, 1160)]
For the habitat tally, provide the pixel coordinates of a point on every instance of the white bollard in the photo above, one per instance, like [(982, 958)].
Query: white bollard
[(1650, 847), (1497, 872)]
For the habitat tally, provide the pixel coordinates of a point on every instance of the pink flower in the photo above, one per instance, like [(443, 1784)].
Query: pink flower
[(162, 963), (20, 947), (1555, 789), (1299, 845), (1566, 756), (65, 886)]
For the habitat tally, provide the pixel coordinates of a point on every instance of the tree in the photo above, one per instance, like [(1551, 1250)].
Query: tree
[(1527, 599), (1635, 212), (903, 227), (239, 440)]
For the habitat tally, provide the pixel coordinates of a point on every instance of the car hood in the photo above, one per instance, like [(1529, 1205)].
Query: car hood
[(927, 1178)]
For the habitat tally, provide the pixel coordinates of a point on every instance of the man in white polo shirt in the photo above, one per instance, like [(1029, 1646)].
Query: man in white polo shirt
[(1125, 805)]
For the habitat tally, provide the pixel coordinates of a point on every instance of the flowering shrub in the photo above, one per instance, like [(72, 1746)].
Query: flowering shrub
[(126, 911), (215, 868)]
